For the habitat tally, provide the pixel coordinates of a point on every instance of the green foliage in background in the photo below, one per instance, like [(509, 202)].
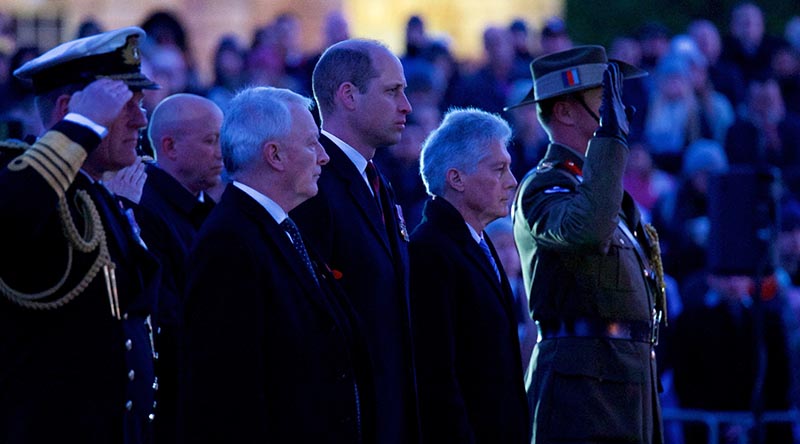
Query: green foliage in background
[(599, 21)]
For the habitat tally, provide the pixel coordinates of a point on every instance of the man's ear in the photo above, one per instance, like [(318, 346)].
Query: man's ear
[(564, 112), (273, 156), (168, 148), (62, 107), (346, 95), (454, 179)]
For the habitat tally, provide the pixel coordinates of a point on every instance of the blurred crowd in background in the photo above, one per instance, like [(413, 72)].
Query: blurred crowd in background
[(716, 98)]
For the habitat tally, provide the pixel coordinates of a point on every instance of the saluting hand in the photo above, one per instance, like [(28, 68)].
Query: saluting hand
[(614, 115), (101, 101)]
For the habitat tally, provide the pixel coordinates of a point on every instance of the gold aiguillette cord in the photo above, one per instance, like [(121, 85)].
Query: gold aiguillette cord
[(111, 288)]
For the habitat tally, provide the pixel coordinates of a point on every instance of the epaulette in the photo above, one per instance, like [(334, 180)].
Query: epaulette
[(10, 149)]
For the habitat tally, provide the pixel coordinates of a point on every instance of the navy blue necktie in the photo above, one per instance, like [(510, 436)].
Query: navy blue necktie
[(488, 253), (294, 233)]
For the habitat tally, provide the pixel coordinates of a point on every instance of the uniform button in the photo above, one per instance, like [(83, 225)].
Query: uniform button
[(646, 273), (653, 355), (125, 316), (151, 417), (128, 345), (622, 241), (155, 383), (131, 375), (154, 404), (129, 406)]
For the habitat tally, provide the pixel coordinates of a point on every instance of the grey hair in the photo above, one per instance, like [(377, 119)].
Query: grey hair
[(346, 61), (254, 116), (460, 142)]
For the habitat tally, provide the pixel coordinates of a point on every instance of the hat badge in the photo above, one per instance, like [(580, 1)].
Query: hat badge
[(130, 52)]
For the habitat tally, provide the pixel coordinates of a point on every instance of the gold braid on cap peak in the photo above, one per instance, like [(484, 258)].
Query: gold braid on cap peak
[(655, 259)]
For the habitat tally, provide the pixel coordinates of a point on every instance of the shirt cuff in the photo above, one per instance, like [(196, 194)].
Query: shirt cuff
[(85, 121)]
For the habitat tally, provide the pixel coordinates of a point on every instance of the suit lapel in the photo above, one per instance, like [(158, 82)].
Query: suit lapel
[(445, 214), (347, 172), (273, 233)]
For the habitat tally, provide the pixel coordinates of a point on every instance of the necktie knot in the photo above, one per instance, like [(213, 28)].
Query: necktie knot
[(289, 226)]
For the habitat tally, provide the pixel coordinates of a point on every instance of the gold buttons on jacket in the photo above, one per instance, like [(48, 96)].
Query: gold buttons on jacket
[(131, 375), (128, 345), (129, 406)]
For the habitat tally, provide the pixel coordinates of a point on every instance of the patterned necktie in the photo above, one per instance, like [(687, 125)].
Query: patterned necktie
[(375, 183), (297, 241), (488, 253)]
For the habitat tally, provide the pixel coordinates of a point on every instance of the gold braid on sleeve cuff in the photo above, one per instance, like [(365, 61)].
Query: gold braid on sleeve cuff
[(55, 157)]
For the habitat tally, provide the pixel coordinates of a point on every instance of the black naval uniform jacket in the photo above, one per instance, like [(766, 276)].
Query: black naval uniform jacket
[(471, 387), (71, 372), (582, 272)]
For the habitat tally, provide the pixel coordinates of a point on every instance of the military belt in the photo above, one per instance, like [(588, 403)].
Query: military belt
[(637, 331)]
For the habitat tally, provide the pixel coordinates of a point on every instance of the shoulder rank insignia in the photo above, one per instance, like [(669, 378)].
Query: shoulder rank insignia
[(556, 189), (544, 167)]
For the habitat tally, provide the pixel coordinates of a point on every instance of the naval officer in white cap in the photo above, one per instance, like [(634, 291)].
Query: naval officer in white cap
[(76, 285)]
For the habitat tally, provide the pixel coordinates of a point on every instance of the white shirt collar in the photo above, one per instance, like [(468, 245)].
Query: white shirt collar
[(358, 160), (272, 208)]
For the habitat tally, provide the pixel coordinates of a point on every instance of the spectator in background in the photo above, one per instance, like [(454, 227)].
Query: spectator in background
[(673, 114), (766, 134), (529, 140), (682, 216), (488, 87), (165, 28), (636, 92), (521, 39), (288, 33), (715, 112), (17, 105), (792, 32), (471, 386), (644, 181), (786, 67), (747, 45), (654, 39), (334, 30), (554, 36), (417, 39), (265, 61), (716, 355), (88, 27), (726, 76), (229, 70)]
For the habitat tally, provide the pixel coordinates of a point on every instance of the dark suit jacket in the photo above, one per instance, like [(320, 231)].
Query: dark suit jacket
[(371, 263), (71, 373), (169, 217), (269, 356), (471, 385)]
